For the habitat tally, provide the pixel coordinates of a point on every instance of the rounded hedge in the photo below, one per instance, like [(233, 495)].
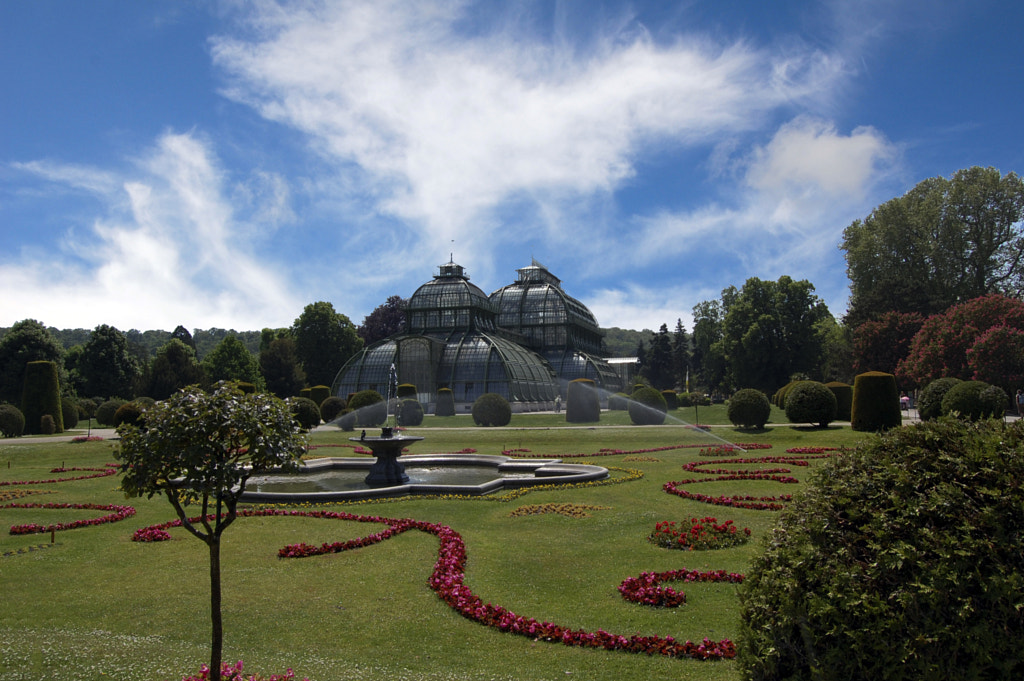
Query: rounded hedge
[(69, 411), (347, 420), (647, 407), (844, 399), (12, 421), (929, 402), (319, 393), (491, 409), (445, 403), (406, 390), (618, 402), (129, 412), (105, 412), (749, 408), (410, 413), (582, 402), (370, 408), (810, 402), (876, 402), (331, 408), (974, 400), (901, 560), (305, 412)]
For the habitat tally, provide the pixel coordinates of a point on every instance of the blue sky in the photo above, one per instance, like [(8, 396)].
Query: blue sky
[(225, 164)]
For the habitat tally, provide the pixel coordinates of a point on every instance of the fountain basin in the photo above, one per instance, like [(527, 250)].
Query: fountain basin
[(506, 473)]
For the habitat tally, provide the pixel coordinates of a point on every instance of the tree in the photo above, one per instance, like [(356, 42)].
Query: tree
[(385, 320), (769, 332), (182, 334), (943, 241), (680, 355), (657, 366), (708, 360), (836, 351), (279, 365), (880, 344), (27, 341), (199, 448), (232, 361), (173, 368), (107, 366), (324, 341)]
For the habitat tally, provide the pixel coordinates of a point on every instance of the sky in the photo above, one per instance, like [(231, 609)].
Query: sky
[(225, 164)]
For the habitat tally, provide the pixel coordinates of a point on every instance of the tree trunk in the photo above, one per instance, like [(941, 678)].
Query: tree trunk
[(217, 632)]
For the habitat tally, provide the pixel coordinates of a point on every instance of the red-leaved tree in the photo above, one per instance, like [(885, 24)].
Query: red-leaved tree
[(880, 344), (997, 357)]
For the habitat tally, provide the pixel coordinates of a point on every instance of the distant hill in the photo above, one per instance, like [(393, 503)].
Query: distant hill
[(146, 343), (622, 342)]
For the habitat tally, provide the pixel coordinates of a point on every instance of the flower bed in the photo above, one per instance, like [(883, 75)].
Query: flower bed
[(646, 589), (703, 533), (119, 513), (234, 673), (109, 469), (568, 510)]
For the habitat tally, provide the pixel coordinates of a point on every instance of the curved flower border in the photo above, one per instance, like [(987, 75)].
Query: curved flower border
[(646, 588), (119, 513), (108, 470)]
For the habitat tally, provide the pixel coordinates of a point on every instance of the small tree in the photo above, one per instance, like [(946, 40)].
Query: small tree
[(199, 448)]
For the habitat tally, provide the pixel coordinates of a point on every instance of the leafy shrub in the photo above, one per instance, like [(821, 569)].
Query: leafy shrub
[(410, 412), (12, 421), (684, 400), (844, 399), (129, 412), (144, 402), (41, 395), (406, 391), (876, 402), (105, 412), (618, 402), (901, 560), (69, 411), (47, 426), (671, 399), (370, 408), (331, 408), (347, 420), (779, 398), (491, 409), (246, 387), (647, 407), (319, 393), (973, 400), (929, 402), (811, 402), (305, 412), (583, 404), (304, 392), (445, 403), (749, 408)]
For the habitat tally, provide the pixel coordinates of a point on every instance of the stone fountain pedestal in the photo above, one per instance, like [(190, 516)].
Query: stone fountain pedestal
[(386, 471)]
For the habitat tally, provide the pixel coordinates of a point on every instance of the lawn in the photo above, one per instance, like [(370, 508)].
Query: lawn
[(96, 605)]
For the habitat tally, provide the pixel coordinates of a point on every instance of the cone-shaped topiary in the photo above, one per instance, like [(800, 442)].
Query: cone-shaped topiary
[(410, 413), (370, 408), (929, 402), (12, 421), (671, 399), (647, 407), (876, 402), (491, 409), (331, 408), (974, 400), (810, 402), (749, 408), (583, 404), (41, 395), (445, 403), (305, 412), (844, 399)]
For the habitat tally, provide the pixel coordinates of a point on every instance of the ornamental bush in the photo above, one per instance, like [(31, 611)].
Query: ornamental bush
[(618, 402), (12, 421), (40, 396), (69, 410), (901, 560), (929, 402), (844, 399), (370, 408), (347, 420), (647, 407), (445, 403), (129, 412), (684, 400), (811, 402), (671, 399), (319, 393), (779, 398), (105, 412), (47, 426), (749, 408), (305, 412), (410, 412), (974, 400), (582, 402), (406, 391), (876, 402), (491, 409), (331, 408)]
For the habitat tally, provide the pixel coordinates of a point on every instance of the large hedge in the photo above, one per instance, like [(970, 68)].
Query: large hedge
[(106, 411), (876, 402), (929, 402), (331, 408), (974, 400), (671, 399), (305, 411), (12, 421), (410, 412), (319, 393), (901, 561), (844, 399), (583, 403), (41, 396), (369, 407), (647, 407), (491, 409), (445, 403), (810, 402), (749, 408)]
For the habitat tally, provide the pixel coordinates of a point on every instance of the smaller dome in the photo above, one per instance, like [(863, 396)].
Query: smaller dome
[(448, 302)]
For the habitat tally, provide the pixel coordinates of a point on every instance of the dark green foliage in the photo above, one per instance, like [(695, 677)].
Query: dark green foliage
[(901, 561), (370, 408), (246, 387), (324, 340), (331, 408), (305, 412), (749, 408), (973, 400), (106, 365), (304, 393), (811, 402), (876, 402), (232, 361), (684, 400), (410, 413), (618, 402), (647, 407), (582, 402), (779, 398), (47, 426), (671, 399), (69, 412), (26, 341), (844, 399), (491, 409), (445, 403), (173, 368), (40, 396), (406, 390), (279, 365), (129, 412), (348, 419), (12, 421), (146, 402), (929, 402), (105, 412)]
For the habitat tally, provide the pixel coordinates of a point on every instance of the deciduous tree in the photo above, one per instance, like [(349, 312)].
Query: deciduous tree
[(324, 340), (173, 368), (232, 361), (384, 321), (279, 365), (880, 344), (107, 365), (26, 341)]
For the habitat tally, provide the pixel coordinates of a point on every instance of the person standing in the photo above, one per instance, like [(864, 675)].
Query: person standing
[(1020, 402)]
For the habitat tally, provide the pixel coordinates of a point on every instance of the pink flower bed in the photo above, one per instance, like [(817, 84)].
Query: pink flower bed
[(109, 469), (230, 672), (702, 533), (119, 513), (646, 589)]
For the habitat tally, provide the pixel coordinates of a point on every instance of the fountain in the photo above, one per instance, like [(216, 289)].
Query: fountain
[(386, 471)]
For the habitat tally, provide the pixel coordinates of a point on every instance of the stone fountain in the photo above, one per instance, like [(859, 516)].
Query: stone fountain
[(386, 471)]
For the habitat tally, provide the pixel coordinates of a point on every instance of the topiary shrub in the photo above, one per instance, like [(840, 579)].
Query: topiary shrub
[(406, 391), (811, 402), (304, 392), (929, 402), (144, 402), (12, 421), (69, 411), (618, 402), (129, 412), (445, 403), (973, 400), (347, 420), (844, 399), (305, 412), (876, 402), (105, 412), (582, 402), (47, 426), (996, 400), (491, 409), (41, 395), (684, 400), (647, 407), (900, 560), (749, 408), (410, 413), (779, 398), (370, 408), (331, 408), (671, 399), (319, 393)]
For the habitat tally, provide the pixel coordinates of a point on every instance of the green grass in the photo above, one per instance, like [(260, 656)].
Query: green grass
[(95, 605)]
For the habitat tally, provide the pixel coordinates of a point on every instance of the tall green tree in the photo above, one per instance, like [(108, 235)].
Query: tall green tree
[(324, 341), (173, 368), (280, 367), (944, 241), (26, 341), (232, 361), (384, 321), (183, 334), (657, 367), (708, 359), (680, 354), (107, 367)]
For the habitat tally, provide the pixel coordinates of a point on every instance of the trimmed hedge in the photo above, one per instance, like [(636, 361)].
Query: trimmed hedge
[(491, 409), (671, 399), (305, 412), (844, 399), (129, 412), (40, 396), (331, 408), (12, 421), (647, 407), (810, 402), (69, 410), (105, 412), (410, 412), (618, 402), (974, 400), (582, 402), (445, 403), (370, 408), (406, 391), (929, 402), (749, 408), (876, 402), (900, 560), (319, 393)]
